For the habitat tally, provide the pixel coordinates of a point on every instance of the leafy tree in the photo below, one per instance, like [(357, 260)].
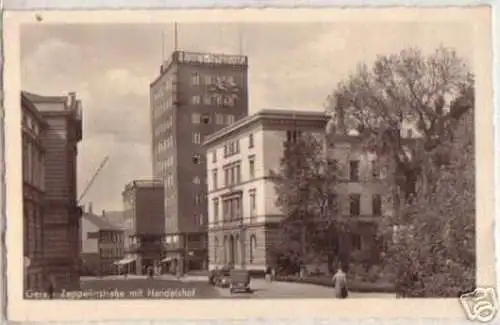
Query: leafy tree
[(305, 187), (435, 255), (433, 174), (401, 90)]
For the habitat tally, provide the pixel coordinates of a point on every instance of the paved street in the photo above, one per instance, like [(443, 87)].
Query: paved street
[(168, 287)]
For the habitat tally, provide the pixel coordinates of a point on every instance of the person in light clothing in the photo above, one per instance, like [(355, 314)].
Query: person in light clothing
[(339, 280)]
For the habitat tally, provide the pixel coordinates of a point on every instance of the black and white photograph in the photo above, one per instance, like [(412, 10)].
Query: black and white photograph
[(245, 160)]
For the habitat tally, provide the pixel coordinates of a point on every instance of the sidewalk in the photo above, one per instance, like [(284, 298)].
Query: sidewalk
[(263, 289)]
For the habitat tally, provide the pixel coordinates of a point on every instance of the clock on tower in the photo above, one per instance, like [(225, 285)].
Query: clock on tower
[(225, 91)]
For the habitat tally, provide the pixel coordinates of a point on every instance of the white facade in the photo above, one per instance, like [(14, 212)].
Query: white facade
[(89, 245), (242, 212)]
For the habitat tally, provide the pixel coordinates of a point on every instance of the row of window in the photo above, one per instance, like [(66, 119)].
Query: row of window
[(215, 100), (232, 173), (231, 250), (164, 126), (168, 86), (30, 124), (232, 207), (33, 238), (209, 80), (220, 119), (33, 164), (355, 204), (233, 147), (111, 252), (163, 105)]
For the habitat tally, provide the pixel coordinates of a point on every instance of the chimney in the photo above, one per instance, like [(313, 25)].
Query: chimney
[(103, 212), (90, 207), (72, 99)]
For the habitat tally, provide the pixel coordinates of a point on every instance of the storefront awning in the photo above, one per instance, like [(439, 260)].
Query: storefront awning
[(167, 259), (125, 261)]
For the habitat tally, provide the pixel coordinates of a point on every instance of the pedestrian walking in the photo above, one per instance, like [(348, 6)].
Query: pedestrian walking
[(51, 287), (268, 274), (339, 281), (273, 274)]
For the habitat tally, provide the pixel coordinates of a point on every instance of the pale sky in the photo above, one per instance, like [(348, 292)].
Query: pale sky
[(291, 65)]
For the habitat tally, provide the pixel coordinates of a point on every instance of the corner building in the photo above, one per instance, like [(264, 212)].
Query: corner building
[(243, 216), (61, 213), (195, 95)]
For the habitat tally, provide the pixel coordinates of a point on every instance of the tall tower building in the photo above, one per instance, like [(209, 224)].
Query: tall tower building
[(195, 95)]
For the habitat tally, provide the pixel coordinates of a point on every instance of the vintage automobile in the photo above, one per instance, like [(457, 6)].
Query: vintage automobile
[(239, 280), (221, 277)]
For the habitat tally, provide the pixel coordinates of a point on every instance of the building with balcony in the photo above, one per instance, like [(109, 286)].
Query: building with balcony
[(33, 157), (102, 245), (194, 95), (243, 216), (144, 222), (60, 224)]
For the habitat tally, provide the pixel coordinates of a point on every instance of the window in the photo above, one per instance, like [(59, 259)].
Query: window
[(207, 99), (205, 119), (253, 246), (209, 80), (196, 159), (196, 137), (195, 79), (226, 176), (196, 100), (293, 135), (253, 202), (375, 170), (238, 174), (214, 179), (216, 248), (354, 170), (195, 118), (202, 219), (214, 156), (356, 241), (250, 141), (376, 205), (219, 119), (230, 119), (216, 209), (354, 204), (196, 199), (251, 167), (196, 180)]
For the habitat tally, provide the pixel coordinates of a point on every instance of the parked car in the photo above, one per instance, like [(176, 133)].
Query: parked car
[(239, 281), (221, 278)]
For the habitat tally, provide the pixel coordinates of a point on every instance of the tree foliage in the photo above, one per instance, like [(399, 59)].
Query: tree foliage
[(305, 187), (434, 173), (436, 254), (404, 89)]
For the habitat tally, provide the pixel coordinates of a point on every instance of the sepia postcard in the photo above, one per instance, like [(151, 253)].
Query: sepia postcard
[(235, 164)]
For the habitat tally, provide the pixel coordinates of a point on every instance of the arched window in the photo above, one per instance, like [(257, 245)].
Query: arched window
[(253, 246)]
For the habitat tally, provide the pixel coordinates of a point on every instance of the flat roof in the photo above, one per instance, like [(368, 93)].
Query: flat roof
[(275, 114), (144, 183), (200, 58)]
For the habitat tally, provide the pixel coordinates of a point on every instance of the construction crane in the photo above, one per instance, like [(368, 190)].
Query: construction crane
[(89, 184)]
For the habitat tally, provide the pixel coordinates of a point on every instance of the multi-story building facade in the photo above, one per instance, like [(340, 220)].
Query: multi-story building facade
[(195, 95), (363, 192), (144, 220), (61, 213), (102, 245), (33, 192), (243, 216)]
